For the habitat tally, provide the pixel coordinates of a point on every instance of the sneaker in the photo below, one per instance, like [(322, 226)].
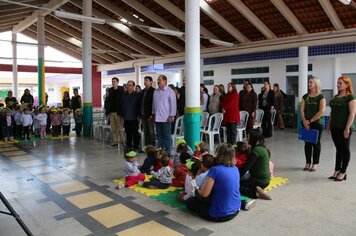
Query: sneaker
[(261, 194), (140, 183), (113, 145), (250, 204)]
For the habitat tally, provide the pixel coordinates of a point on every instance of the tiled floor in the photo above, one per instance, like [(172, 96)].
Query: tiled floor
[(64, 187)]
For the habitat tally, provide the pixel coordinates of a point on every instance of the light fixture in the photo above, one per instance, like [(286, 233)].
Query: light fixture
[(345, 2), (165, 31), (73, 16), (221, 43)]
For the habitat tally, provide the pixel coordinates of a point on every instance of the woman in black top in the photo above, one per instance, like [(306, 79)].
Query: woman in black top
[(10, 101), (266, 103), (66, 99), (27, 98)]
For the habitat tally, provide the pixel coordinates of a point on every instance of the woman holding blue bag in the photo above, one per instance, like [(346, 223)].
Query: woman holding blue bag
[(312, 109)]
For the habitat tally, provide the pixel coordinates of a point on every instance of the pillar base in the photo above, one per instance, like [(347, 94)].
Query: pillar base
[(88, 119), (192, 126)]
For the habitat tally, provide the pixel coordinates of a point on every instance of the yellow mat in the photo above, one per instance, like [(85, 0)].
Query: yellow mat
[(146, 191), (275, 182)]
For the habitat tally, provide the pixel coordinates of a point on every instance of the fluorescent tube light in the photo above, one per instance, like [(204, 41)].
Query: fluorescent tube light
[(165, 31), (345, 2), (79, 17), (221, 43)]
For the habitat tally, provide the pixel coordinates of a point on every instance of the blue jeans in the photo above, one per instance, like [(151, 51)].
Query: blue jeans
[(164, 138)]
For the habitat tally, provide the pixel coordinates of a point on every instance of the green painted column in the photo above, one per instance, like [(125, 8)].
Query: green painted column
[(41, 82), (88, 119), (192, 126)]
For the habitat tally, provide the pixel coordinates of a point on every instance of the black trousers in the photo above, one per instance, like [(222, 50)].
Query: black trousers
[(78, 129), (267, 124), (311, 149), (342, 146), (19, 131), (149, 132), (231, 133), (26, 131), (202, 209), (66, 129), (132, 135), (248, 187)]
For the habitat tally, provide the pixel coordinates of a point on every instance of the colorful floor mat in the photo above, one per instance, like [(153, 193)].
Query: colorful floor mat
[(169, 196)]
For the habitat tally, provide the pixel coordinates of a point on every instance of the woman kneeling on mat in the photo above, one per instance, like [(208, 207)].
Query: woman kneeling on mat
[(225, 200)]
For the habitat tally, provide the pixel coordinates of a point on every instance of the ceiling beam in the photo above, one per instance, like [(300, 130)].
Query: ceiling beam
[(151, 15), (331, 13), (57, 29), (289, 16), (17, 7), (54, 37), (4, 29), (67, 51), (252, 18), (17, 12), (112, 34), (53, 4), (222, 22), (176, 11), (12, 18), (124, 14), (95, 35)]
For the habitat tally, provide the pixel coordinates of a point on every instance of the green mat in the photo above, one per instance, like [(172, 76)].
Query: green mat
[(171, 199)]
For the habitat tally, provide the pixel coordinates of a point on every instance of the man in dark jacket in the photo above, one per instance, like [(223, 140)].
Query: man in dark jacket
[(146, 112), (114, 109), (130, 109)]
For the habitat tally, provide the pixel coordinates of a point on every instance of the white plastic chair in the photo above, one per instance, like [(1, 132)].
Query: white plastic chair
[(273, 118), (259, 118), (204, 117), (213, 129), (178, 130), (241, 127), (142, 135)]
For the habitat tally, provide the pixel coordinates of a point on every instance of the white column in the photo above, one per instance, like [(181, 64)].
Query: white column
[(15, 82), (303, 72), (337, 73), (138, 75), (192, 53), (87, 68), (201, 70)]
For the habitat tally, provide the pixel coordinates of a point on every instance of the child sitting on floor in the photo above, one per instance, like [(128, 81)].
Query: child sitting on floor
[(150, 162), (160, 153), (163, 177), (201, 149), (132, 173), (181, 171), (190, 185), (206, 163), (242, 153)]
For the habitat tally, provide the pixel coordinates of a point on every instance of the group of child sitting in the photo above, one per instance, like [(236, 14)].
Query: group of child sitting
[(187, 169), (23, 121)]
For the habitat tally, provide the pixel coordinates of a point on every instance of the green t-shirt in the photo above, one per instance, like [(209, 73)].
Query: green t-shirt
[(340, 110), (312, 107), (260, 170)]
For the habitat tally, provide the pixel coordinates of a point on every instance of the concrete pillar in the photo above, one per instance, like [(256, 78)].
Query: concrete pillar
[(193, 74), (87, 69), (15, 82), (337, 74), (303, 72), (41, 66), (138, 76), (97, 89)]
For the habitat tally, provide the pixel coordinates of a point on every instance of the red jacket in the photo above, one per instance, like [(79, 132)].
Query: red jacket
[(230, 103), (179, 176), (241, 158)]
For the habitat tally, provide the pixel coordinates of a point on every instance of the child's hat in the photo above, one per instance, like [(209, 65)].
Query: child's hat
[(78, 110), (131, 154), (180, 141)]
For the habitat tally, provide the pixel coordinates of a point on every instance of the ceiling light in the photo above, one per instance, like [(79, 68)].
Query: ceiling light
[(221, 43), (345, 2), (73, 16), (165, 31)]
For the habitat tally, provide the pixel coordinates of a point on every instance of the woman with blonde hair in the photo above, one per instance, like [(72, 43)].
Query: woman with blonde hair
[(311, 111), (343, 110)]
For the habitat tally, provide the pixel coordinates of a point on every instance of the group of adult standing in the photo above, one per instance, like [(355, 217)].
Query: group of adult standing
[(343, 110)]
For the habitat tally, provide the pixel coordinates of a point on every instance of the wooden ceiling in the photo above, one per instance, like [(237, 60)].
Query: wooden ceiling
[(236, 21)]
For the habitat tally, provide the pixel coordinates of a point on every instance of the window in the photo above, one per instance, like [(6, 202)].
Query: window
[(253, 70), (260, 80), (208, 82), (295, 68), (208, 73)]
